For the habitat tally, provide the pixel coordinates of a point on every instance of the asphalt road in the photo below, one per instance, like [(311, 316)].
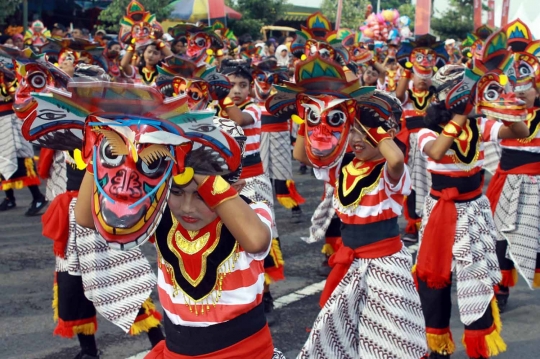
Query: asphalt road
[(26, 276)]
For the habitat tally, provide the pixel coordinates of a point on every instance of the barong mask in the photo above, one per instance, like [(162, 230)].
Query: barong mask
[(323, 99), (202, 42), (319, 38), (422, 56), (136, 27), (79, 49), (358, 54), (267, 74), (380, 110), (483, 86), (526, 71), (474, 43), (34, 73), (178, 76)]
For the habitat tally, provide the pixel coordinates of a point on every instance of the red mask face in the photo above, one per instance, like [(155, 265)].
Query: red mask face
[(263, 83), (197, 92), (132, 178), (328, 121), (32, 77), (198, 44), (313, 47), (526, 72), (492, 99), (141, 32), (423, 61)]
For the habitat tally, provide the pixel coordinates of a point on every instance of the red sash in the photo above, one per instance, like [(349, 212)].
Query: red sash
[(55, 222)]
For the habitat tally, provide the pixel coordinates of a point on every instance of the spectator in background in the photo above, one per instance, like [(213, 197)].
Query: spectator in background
[(100, 37), (282, 55), (179, 46), (59, 31), (7, 41), (271, 46), (18, 41), (167, 39), (76, 32), (85, 34)]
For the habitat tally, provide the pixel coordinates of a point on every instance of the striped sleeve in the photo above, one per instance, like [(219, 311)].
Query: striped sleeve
[(403, 186), (490, 129), (424, 137), (265, 215), (255, 112)]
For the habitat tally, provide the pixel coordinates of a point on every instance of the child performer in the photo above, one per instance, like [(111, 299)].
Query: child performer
[(457, 232), (240, 108), (513, 191), (211, 246), (370, 307)]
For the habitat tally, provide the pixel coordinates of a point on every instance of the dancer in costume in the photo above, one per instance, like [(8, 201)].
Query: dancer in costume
[(458, 233), (211, 242), (511, 192), (137, 31), (17, 167), (370, 307), (419, 59), (240, 108), (203, 43), (275, 138)]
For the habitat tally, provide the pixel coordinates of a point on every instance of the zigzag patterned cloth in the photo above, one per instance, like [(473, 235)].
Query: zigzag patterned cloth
[(374, 313), (259, 189), (475, 261), (56, 184), (276, 155), (12, 145), (492, 156), (517, 220), (320, 221), (420, 178), (117, 282)]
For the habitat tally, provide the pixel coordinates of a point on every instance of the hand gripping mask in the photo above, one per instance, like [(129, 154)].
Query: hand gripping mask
[(526, 70), (422, 56), (325, 101), (484, 85), (202, 42)]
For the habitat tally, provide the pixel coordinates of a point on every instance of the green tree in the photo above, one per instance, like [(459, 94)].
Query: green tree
[(9, 7), (352, 14), (255, 14), (111, 16), (455, 22)]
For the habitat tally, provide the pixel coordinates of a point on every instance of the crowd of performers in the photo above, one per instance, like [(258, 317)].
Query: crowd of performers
[(189, 151)]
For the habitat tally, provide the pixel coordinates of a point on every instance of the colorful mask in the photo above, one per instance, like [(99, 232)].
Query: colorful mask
[(34, 73), (483, 85), (318, 38), (202, 42), (79, 49), (8, 84), (474, 43), (358, 54), (526, 71), (201, 83), (422, 56), (266, 74), (137, 26), (36, 34), (323, 99)]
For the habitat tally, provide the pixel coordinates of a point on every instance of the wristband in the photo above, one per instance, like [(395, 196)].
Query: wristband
[(452, 130), (226, 103), (376, 135), (214, 190)]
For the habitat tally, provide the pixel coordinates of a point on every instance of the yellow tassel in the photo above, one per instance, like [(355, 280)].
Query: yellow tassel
[(297, 119), (276, 254), (29, 164), (495, 343), (77, 156), (86, 329), (496, 315), (536, 280), (441, 343), (55, 302), (267, 279), (13, 185), (287, 202), (413, 270), (144, 325), (327, 249)]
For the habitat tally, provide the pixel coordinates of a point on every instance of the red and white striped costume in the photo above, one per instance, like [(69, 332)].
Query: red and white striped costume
[(371, 308)]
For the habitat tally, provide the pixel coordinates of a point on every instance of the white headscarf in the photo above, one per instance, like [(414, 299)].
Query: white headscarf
[(282, 60)]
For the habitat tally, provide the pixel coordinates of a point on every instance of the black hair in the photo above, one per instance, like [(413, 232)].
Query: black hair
[(112, 43), (245, 39), (238, 68), (140, 52), (537, 102)]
